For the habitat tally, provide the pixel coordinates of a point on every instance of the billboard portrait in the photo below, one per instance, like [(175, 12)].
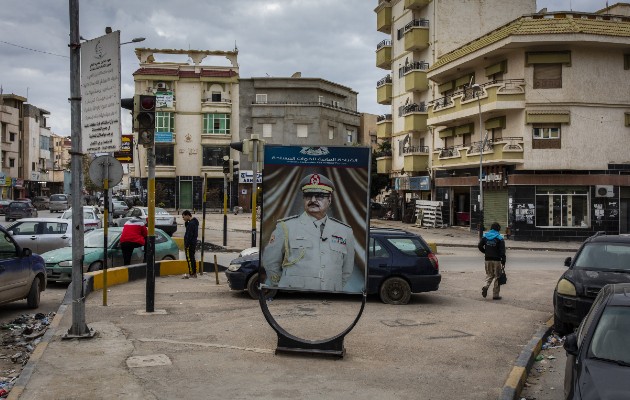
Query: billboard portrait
[(314, 227)]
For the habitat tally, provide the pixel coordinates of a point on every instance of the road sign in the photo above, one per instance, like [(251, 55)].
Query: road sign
[(125, 155), (106, 167)]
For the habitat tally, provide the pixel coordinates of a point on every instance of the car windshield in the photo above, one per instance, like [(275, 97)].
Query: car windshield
[(604, 256), (87, 214), (95, 238), (410, 246), (611, 340)]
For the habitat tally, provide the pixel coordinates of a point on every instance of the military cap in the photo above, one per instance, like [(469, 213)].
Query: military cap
[(315, 183)]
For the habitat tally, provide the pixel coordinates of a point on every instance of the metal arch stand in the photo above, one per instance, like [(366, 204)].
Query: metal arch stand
[(288, 343)]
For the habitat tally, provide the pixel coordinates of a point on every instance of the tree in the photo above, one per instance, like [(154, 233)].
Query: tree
[(379, 181)]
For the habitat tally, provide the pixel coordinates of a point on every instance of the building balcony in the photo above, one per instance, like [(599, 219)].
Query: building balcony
[(416, 35), (384, 54), (384, 91), (495, 95), (384, 164), (416, 158), (165, 171), (384, 19), (416, 4), (415, 116), (416, 77), (503, 151), (384, 126)]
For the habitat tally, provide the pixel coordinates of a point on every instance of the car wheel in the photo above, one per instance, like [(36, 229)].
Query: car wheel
[(252, 289), (95, 266), (33, 295), (395, 291), (168, 258)]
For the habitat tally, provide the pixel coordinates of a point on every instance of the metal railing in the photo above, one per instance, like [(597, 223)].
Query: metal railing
[(416, 23), (416, 149), (415, 66), (409, 108), (383, 43), (468, 92), (386, 80), (384, 117), (307, 103), (387, 153), (442, 102), (446, 152)]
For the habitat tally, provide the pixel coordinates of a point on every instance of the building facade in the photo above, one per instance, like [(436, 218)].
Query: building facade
[(418, 33), (543, 123), (196, 119), (296, 111)]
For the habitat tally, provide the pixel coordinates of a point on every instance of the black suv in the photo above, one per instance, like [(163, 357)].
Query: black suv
[(600, 260), (400, 263), (20, 209)]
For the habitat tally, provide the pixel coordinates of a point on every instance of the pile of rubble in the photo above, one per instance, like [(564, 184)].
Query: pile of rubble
[(18, 339)]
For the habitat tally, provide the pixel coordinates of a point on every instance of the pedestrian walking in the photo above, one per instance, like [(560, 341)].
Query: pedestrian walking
[(492, 245), (134, 234), (190, 243)]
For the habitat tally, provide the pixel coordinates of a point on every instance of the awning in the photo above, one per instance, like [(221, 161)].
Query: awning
[(494, 123), (465, 129), (549, 57), (548, 117), (500, 67), (448, 132)]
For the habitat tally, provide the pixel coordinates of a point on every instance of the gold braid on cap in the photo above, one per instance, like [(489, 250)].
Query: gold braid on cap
[(316, 184)]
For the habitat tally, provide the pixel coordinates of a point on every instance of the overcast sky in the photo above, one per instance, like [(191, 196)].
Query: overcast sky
[(330, 39)]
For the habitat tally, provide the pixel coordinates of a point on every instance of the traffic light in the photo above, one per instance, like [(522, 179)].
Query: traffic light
[(243, 146), (144, 120), (232, 165), (226, 164)]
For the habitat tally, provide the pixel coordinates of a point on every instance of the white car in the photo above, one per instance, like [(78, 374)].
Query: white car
[(41, 234), (91, 217)]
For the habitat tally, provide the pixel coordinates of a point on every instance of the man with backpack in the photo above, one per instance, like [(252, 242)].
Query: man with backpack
[(493, 246)]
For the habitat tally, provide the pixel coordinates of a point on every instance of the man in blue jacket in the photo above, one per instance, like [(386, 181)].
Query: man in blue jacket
[(190, 242), (493, 246)]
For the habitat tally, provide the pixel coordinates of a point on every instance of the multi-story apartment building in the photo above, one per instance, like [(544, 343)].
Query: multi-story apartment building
[(195, 124), (60, 157), (10, 130), (418, 33), (550, 94), (297, 111)]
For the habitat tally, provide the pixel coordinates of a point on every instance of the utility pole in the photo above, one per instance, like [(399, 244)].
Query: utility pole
[(79, 328), (150, 250), (255, 140)]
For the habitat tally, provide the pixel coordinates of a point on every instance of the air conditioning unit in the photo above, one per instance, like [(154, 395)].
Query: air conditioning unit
[(604, 191), (161, 86)]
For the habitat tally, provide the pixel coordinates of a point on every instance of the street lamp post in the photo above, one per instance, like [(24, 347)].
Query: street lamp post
[(482, 145)]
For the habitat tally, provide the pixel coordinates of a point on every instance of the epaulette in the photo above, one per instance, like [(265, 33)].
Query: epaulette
[(288, 218), (340, 222)]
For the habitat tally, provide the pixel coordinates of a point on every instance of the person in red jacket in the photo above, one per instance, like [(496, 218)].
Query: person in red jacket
[(133, 235)]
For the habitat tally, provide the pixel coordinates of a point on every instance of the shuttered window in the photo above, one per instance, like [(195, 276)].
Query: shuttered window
[(547, 76)]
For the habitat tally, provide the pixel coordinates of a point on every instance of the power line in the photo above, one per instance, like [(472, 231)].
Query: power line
[(39, 51)]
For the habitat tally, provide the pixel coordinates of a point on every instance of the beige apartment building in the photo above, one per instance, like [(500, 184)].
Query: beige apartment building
[(546, 124)]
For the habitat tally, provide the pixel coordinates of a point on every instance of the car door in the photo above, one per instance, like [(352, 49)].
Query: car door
[(379, 263), (26, 234), (54, 235), (14, 270)]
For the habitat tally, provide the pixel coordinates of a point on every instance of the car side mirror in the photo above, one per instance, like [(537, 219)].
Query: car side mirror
[(567, 262), (570, 344), (26, 252)]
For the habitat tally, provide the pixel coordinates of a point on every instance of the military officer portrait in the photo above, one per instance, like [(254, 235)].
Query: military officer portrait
[(310, 251)]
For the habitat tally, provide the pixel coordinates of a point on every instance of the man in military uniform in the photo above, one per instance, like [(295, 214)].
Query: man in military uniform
[(311, 251)]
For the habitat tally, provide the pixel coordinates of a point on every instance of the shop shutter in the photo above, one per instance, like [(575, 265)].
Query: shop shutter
[(495, 208)]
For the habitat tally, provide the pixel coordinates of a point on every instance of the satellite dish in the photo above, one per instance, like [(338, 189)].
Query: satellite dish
[(297, 75), (106, 167)]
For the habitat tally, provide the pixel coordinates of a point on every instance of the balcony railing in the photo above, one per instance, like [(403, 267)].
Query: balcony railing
[(410, 108), (442, 102), (384, 81), (383, 43), (416, 23), (475, 147), (448, 152), (384, 117), (416, 149), (415, 66), (387, 153), (308, 103)]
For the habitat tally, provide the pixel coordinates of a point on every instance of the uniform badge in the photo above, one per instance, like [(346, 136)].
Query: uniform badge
[(338, 239), (272, 238)]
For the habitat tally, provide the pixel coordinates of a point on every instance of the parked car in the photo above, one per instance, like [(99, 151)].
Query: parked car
[(119, 208), (600, 260), (3, 206), (58, 202), (598, 355), (22, 273), (400, 263), (163, 220), (91, 217), (41, 234), (59, 262), (41, 202), (20, 209)]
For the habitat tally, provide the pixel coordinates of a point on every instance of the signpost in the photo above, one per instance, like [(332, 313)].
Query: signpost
[(125, 155)]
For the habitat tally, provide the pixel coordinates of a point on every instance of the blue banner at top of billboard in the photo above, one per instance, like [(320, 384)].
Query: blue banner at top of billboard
[(330, 156)]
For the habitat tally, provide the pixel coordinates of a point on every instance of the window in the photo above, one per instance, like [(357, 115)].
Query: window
[(546, 131), (496, 134), (302, 131), (11, 162), (267, 129), (449, 141), (216, 97), (44, 142), (321, 99), (164, 122), (335, 103), (376, 249), (547, 76), (562, 207), (12, 137), (261, 98), (216, 124), (164, 154), (466, 139), (213, 155), (349, 137), (33, 167), (331, 133)]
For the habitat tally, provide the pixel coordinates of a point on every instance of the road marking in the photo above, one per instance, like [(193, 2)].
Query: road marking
[(213, 345)]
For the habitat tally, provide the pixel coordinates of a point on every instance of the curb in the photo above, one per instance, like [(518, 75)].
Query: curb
[(516, 379)]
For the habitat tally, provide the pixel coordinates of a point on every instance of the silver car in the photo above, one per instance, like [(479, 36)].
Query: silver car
[(58, 202), (163, 220), (41, 234), (91, 217)]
